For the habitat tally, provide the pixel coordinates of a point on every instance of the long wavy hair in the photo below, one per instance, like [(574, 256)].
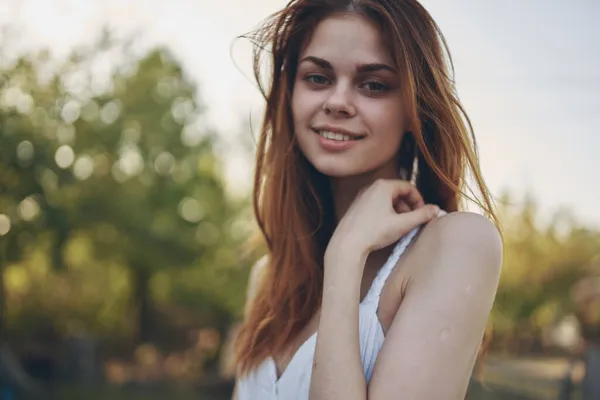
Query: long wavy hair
[(292, 200)]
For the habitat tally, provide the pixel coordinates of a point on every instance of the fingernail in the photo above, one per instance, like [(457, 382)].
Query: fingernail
[(435, 210)]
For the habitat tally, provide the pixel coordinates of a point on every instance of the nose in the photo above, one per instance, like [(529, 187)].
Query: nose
[(340, 102)]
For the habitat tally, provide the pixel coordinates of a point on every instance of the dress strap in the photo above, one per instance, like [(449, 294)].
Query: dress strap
[(377, 286), (384, 272)]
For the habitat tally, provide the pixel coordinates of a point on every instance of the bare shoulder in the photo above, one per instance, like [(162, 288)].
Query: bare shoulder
[(465, 240), (466, 227)]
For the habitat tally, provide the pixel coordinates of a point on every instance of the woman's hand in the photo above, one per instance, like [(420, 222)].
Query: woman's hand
[(380, 215)]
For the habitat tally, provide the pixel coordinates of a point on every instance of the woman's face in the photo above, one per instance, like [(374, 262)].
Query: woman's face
[(346, 104)]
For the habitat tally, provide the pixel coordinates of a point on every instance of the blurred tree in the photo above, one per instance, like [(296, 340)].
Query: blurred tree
[(113, 147), (28, 210), (541, 266)]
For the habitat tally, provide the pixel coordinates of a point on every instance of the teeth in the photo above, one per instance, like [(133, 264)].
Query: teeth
[(335, 136)]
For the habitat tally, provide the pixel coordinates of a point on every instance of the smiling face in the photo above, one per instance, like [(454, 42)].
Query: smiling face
[(347, 104)]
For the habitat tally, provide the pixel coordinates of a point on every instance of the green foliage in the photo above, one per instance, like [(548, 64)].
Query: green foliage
[(542, 263), (108, 174)]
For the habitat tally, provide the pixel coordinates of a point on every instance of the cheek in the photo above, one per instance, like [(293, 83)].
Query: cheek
[(385, 120), (302, 116), (305, 104)]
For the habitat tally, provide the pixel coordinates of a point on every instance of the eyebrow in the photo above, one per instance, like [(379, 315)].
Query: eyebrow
[(362, 68)]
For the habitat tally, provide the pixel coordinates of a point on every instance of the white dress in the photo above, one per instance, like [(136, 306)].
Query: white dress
[(294, 383)]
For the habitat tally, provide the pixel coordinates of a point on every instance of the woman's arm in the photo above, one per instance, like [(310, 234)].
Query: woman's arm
[(431, 346), (337, 369), (370, 223)]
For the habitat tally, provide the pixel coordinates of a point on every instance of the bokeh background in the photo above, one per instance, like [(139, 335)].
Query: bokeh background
[(127, 133)]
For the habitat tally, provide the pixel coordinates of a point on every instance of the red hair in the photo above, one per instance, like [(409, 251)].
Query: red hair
[(292, 200)]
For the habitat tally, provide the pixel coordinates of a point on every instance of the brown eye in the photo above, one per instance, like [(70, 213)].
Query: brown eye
[(317, 79), (376, 87)]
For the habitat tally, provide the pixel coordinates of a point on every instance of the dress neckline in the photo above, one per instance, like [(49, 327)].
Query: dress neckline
[(371, 298), (273, 365), (376, 285)]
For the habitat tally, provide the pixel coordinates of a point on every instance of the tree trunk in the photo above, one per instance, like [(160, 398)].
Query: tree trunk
[(142, 300)]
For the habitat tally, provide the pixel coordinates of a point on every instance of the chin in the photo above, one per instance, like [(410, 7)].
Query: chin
[(337, 169), (347, 167)]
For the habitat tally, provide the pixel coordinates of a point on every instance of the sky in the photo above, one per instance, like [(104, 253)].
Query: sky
[(528, 73)]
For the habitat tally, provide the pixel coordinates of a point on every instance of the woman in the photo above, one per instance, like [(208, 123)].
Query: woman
[(363, 143)]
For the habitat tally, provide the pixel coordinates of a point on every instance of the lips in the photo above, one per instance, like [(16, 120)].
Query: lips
[(336, 145), (337, 134), (336, 137)]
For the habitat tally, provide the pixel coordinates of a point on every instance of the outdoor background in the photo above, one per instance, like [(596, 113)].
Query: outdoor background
[(126, 148)]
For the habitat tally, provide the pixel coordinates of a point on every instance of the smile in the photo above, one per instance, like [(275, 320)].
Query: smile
[(339, 137), (336, 142)]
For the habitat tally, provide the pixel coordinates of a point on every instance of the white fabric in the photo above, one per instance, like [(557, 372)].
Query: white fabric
[(262, 383)]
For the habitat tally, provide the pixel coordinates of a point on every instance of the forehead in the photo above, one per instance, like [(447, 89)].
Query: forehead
[(348, 38)]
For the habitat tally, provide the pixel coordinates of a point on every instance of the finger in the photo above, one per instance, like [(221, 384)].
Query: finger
[(415, 200), (401, 207), (407, 192), (414, 218)]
